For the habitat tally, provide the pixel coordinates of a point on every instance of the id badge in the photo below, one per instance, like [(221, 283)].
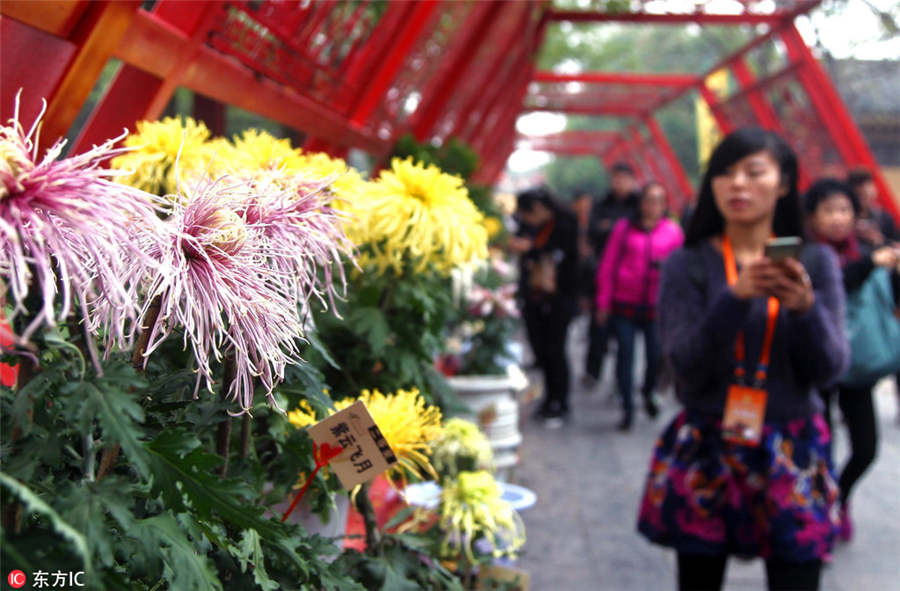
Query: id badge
[(745, 410)]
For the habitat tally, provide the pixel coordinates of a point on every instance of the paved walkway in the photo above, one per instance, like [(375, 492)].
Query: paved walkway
[(589, 477)]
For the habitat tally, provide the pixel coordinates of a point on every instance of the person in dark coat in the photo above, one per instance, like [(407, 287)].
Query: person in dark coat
[(550, 300), (620, 202)]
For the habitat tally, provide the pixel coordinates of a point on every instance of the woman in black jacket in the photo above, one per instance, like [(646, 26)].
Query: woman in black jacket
[(832, 207), (550, 298)]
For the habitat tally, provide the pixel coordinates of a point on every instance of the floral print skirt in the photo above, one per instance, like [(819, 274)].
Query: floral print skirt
[(708, 496)]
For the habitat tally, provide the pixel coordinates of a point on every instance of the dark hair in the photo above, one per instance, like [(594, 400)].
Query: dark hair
[(635, 215), (822, 189), (859, 176), (527, 199), (707, 220), (622, 167)]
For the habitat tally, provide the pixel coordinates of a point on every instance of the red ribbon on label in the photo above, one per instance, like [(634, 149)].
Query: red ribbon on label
[(322, 455)]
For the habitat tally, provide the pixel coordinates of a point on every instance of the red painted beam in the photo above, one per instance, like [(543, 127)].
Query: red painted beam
[(665, 148), (155, 46), (837, 119), (95, 37), (492, 78), (631, 78), (437, 96), (582, 109), (403, 44), (712, 101), (582, 16)]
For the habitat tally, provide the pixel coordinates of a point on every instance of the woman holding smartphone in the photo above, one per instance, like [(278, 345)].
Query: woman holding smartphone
[(744, 469)]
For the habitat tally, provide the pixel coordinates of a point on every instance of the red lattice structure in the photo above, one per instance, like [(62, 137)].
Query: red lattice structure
[(361, 73)]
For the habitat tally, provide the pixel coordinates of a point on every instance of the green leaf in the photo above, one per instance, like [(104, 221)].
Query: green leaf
[(182, 471), (316, 343), (86, 506), (249, 551), (372, 324), (184, 567), (108, 398), (35, 504)]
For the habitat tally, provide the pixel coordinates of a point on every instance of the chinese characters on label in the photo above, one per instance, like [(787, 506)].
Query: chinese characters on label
[(366, 453)]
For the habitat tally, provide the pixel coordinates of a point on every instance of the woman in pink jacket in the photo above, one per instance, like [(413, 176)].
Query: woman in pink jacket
[(627, 285)]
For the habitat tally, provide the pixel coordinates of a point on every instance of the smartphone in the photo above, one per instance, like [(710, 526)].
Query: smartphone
[(783, 247)]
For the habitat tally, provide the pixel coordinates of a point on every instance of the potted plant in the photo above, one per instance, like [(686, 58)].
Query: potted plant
[(481, 367)]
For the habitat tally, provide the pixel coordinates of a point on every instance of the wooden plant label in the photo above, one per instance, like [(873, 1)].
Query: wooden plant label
[(366, 453)]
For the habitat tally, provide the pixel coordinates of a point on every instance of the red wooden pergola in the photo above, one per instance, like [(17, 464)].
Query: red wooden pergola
[(360, 74)]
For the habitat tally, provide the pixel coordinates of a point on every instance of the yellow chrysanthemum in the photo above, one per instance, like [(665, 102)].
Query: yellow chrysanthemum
[(461, 447), (157, 145), (408, 425), (472, 506), (418, 214), (302, 417), (256, 150), (493, 226)]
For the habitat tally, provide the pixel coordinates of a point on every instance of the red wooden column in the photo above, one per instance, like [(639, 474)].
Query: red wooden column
[(135, 94), (834, 115), (436, 97), (725, 126), (96, 36), (684, 183)]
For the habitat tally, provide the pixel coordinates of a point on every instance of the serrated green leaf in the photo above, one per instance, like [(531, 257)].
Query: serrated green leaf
[(182, 470), (249, 551), (184, 567), (108, 398), (86, 506), (372, 324), (316, 343), (35, 504)]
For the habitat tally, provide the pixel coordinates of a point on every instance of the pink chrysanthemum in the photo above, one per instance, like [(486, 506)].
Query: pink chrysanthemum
[(220, 287), (68, 232), (303, 236)]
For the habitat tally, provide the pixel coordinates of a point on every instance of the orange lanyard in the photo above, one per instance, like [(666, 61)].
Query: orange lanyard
[(740, 354)]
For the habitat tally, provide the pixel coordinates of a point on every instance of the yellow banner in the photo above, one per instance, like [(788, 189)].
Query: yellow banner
[(708, 134)]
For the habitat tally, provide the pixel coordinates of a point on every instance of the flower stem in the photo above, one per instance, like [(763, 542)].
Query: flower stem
[(223, 433), (148, 322), (245, 435), (365, 508), (223, 438)]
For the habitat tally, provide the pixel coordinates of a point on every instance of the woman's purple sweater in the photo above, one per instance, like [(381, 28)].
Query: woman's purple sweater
[(699, 318)]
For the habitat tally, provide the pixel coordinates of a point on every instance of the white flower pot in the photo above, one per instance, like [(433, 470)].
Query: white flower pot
[(494, 408)]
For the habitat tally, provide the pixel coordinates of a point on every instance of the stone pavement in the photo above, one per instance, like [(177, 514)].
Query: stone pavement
[(588, 478)]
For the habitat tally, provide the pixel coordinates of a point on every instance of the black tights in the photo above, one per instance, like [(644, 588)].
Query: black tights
[(858, 409), (698, 572)]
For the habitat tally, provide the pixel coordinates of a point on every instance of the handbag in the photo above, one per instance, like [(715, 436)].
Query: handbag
[(873, 331)]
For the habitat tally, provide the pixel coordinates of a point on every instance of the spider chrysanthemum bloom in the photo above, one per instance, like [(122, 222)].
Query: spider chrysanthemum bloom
[(69, 233), (303, 235), (222, 290), (417, 214), (471, 507), (157, 145)]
